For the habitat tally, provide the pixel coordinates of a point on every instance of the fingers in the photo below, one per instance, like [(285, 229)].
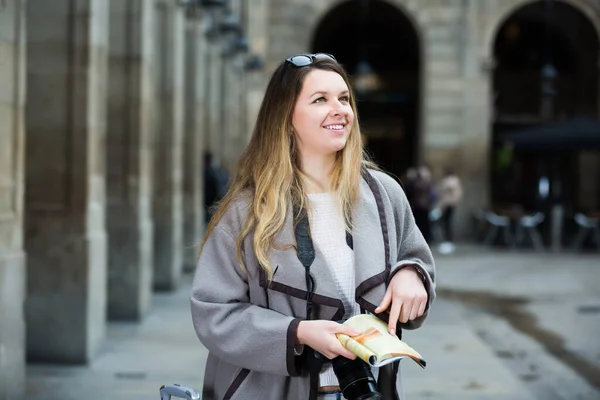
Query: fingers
[(341, 351), (346, 330), (421, 309), (394, 316), (344, 352), (385, 303), (337, 349), (411, 313)]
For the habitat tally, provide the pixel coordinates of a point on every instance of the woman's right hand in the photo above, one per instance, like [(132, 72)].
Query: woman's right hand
[(320, 335)]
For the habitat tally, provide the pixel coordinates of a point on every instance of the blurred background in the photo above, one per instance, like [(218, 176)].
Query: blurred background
[(121, 122)]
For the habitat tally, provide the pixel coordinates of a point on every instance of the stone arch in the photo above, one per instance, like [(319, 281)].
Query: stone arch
[(507, 9), (517, 47), (323, 8), (520, 48), (391, 114)]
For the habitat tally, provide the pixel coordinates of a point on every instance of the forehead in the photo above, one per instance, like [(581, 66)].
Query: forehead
[(322, 80)]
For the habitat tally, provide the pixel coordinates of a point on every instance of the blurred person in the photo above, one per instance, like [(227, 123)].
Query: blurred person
[(450, 193), (422, 200), (298, 245)]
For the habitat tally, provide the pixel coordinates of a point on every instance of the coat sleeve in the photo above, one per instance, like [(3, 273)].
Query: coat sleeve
[(413, 250), (231, 328)]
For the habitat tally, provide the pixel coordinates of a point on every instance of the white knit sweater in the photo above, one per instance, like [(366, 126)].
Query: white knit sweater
[(329, 237)]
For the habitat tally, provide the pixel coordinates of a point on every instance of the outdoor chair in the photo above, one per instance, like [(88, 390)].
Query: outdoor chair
[(529, 225), (498, 223), (587, 226)]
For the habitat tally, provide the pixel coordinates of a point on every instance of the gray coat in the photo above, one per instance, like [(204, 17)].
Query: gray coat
[(249, 325)]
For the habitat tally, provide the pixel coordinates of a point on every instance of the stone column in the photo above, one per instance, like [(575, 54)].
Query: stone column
[(452, 135), (231, 92), (194, 140), (168, 158), (242, 125), (215, 91), (477, 137), (65, 201), (256, 82), (228, 115), (129, 154), (12, 256)]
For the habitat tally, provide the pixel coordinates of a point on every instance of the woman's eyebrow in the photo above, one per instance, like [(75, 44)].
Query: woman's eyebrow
[(321, 92)]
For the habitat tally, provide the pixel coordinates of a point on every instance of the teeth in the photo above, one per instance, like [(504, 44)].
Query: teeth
[(335, 127)]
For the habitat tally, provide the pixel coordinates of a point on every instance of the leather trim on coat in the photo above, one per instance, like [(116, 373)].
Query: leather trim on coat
[(293, 362), (237, 382), (302, 294)]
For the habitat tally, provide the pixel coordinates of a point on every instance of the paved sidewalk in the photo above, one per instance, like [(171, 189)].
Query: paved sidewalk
[(137, 358)]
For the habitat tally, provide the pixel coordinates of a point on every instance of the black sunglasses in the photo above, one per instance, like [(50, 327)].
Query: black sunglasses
[(302, 60)]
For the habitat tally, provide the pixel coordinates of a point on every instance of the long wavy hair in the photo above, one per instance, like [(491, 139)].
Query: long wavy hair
[(270, 170)]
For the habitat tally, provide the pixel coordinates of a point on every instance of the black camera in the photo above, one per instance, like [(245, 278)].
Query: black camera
[(355, 378)]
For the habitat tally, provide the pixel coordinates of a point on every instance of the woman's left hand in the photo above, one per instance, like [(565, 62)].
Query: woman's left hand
[(407, 296)]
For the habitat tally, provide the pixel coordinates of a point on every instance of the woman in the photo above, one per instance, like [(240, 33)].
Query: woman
[(267, 297)]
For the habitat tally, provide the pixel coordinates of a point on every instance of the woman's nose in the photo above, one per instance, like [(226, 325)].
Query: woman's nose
[(338, 109)]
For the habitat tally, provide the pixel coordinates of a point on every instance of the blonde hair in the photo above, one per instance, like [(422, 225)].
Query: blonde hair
[(270, 169)]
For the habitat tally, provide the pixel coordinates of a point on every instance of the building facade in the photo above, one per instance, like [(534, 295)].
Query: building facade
[(107, 108)]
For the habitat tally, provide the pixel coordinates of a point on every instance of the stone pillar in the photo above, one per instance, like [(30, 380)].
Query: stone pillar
[(194, 140), (453, 121), (228, 115), (12, 256), (256, 81), (129, 155), (231, 91), (215, 94), (477, 137), (443, 87), (65, 239), (168, 158), (242, 126)]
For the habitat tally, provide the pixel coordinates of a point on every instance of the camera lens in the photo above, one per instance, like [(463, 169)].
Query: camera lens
[(355, 378)]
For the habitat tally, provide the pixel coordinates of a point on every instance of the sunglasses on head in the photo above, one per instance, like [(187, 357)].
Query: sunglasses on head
[(302, 60)]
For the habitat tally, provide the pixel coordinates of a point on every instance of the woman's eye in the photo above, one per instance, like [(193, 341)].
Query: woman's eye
[(345, 99), (320, 100)]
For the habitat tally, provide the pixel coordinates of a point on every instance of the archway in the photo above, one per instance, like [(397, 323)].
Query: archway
[(385, 37), (555, 40)]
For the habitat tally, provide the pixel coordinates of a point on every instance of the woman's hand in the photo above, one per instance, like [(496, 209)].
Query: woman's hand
[(320, 335), (407, 296)]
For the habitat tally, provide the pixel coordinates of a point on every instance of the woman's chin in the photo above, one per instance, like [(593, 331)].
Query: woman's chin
[(338, 145)]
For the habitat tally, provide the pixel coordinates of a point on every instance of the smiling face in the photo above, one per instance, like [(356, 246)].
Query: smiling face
[(322, 117)]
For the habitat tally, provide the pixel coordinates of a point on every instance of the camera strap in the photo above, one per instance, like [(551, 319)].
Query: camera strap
[(306, 255)]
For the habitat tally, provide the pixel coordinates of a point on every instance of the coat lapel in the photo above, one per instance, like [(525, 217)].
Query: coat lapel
[(371, 267)]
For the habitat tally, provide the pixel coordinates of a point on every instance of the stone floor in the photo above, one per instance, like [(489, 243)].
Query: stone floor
[(137, 359)]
